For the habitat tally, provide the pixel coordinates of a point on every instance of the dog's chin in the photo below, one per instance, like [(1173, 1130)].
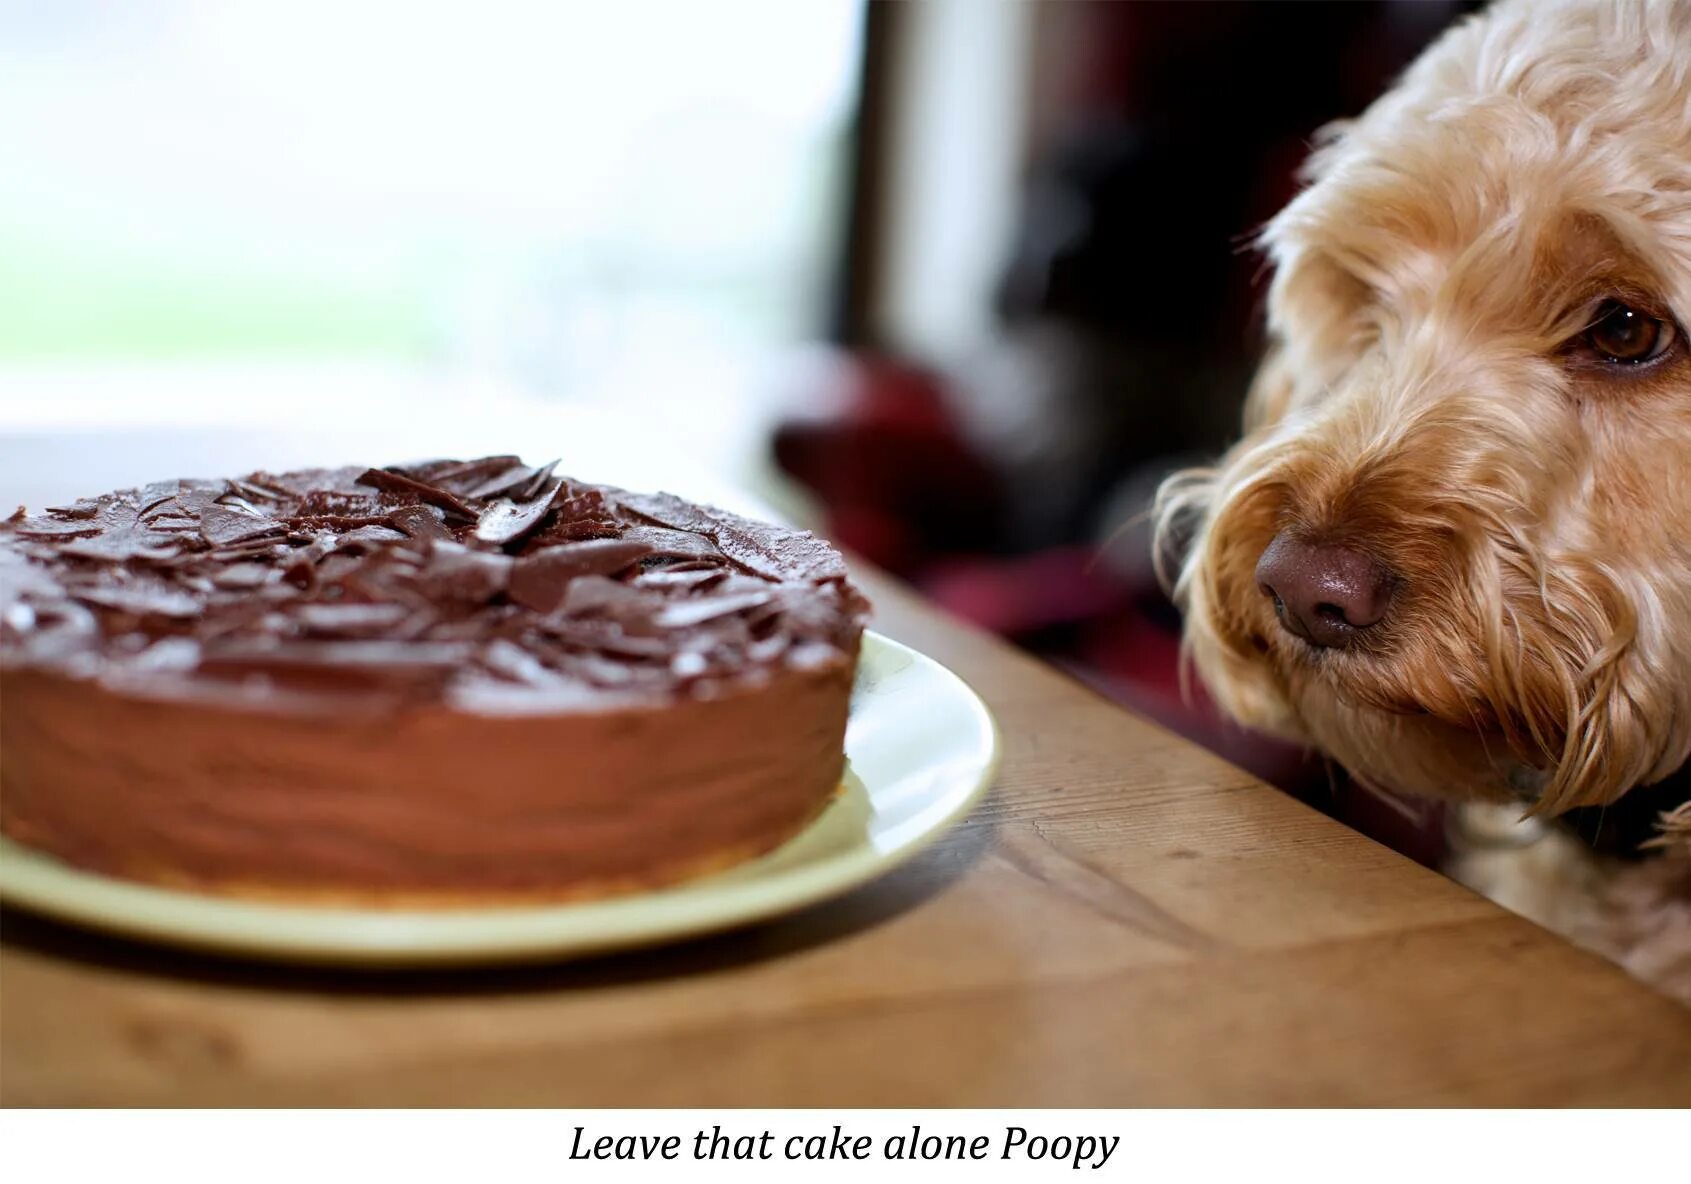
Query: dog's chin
[(1408, 752), (1396, 746)]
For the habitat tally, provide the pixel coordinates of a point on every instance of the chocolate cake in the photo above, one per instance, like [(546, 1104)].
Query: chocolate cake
[(448, 681)]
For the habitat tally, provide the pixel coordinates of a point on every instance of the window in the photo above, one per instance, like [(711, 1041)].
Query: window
[(595, 201)]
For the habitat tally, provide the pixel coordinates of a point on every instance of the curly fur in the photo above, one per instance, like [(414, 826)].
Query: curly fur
[(1418, 403)]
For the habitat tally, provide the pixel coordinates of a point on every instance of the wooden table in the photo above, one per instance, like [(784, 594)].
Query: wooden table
[(1126, 920)]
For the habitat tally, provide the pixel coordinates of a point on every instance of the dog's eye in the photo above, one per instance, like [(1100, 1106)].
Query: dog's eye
[(1625, 335)]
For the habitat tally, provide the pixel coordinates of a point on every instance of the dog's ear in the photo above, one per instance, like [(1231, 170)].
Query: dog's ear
[(1270, 396), (1325, 146)]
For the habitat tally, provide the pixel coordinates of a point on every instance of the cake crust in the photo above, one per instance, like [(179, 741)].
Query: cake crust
[(453, 682)]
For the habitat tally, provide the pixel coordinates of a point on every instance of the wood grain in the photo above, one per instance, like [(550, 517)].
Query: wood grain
[(1126, 920)]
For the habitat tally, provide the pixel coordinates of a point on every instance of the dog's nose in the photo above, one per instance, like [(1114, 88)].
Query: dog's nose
[(1323, 594)]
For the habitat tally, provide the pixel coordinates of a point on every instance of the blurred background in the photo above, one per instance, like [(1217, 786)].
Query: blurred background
[(952, 281)]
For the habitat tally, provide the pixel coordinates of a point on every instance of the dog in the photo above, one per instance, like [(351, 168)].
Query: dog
[(1453, 549)]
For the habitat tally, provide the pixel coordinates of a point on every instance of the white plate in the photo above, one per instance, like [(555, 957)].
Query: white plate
[(921, 749)]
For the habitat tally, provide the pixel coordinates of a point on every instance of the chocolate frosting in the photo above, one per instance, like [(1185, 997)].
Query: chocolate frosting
[(486, 584)]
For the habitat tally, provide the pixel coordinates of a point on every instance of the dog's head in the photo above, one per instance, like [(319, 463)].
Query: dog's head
[(1453, 549)]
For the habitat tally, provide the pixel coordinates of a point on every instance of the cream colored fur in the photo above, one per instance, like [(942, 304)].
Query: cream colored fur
[(1420, 402)]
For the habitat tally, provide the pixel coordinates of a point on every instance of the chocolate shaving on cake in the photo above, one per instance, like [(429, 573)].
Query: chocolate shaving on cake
[(435, 576)]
